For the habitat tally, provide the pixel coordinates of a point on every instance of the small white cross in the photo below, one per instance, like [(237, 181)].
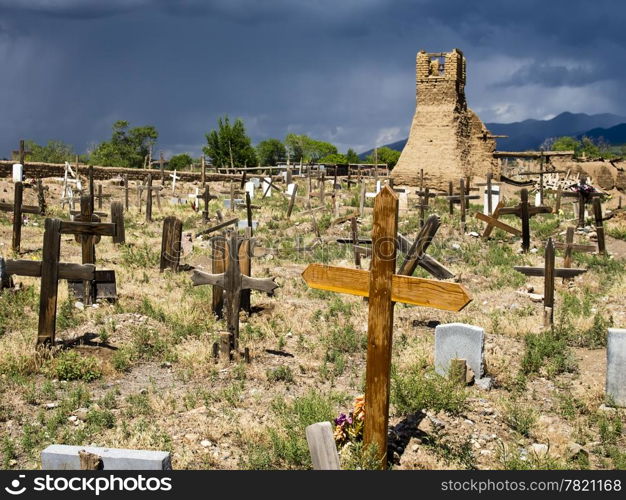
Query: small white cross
[(174, 179)]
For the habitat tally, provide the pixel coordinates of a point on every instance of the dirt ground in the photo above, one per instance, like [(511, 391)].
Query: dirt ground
[(140, 373)]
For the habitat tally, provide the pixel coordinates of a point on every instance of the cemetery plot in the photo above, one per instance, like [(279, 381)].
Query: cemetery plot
[(158, 369)]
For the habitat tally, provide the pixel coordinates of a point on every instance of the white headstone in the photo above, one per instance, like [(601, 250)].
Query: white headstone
[(18, 172), (459, 341), (290, 188), (267, 186), (378, 186), (537, 199), (256, 181), (616, 366), (495, 199), (403, 201), (249, 186)]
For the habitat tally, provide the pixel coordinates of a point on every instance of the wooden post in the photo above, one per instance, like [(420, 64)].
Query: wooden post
[(322, 446), (126, 204), (117, 217), (149, 199), (380, 321), (557, 202), (205, 197), (232, 196), (362, 200), (245, 265), (597, 213), (468, 188), (548, 291), (202, 171), (171, 244), (49, 282), (569, 240), (41, 197), (17, 217), (219, 257), (525, 216), (161, 161), (462, 203), (489, 200), (581, 209), (451, 194), (292, 200), (249, 210), (99, 196), (322, 189), (91, 188), (354, 228)]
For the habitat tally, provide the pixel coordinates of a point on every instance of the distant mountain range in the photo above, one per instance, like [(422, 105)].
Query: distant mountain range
[(530, 134)]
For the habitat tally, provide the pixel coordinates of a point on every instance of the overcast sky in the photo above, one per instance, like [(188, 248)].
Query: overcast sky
[(339, 70)]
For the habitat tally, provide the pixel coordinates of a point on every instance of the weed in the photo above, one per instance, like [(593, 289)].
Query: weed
[(519, 417), (281, 373), (71, 365)]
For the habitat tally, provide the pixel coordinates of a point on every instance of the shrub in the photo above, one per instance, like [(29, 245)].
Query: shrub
[(70, 365)]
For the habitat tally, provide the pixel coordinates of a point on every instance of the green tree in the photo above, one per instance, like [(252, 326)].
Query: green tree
[(271, 151), (304, 148), (565, 144), (229, 146), (179, 162), (53, 152), (127, 147), (334, 159), (352, 156), (385, 155)]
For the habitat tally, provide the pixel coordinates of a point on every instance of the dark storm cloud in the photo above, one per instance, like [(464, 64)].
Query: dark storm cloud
[(342, 71)]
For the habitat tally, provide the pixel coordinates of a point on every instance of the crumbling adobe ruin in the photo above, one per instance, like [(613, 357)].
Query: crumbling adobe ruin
[(447, 139)]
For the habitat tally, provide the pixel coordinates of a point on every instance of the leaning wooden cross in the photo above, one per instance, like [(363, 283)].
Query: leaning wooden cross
[(549, 272), (18, 209), (232, 281), (524, 211), (383, 288)]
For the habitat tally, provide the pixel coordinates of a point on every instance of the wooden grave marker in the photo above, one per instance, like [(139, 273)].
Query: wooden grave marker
[(117, 218), (597, 213), (569, 247), (50, 270), (383, 288), (171, 244), (232, 281), (18, 209), (489, 191), (582, 198), (549, 272), (462, 199)]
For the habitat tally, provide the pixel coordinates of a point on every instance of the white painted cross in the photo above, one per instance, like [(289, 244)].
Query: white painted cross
[(174, 179)]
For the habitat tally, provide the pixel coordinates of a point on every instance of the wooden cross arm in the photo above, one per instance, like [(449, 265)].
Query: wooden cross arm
[(26, 209), (575, 247), (457, 198), (267, 285), (499, 224), (544, 172), (434, 267), (67, 271), (531, 210), (559, 272), (218, 226), (77, 213), (405, 289), (88, 228), (202, 278)]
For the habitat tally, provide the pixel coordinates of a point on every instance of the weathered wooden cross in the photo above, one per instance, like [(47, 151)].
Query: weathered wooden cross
[(569, 246), (87, 230), (171, 244), (462, 199), (50, 270), (549, 272), (597, 214), (21, 153), (18, 209), (541, 173), (583, 197), (232, 281), (524, 211), (383, 288)]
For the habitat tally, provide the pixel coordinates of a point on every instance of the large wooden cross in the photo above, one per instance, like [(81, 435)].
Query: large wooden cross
[(18, 209), (549, 272), (21, 153), (383, 288), (232, 281), (569, 247), (50, 270)]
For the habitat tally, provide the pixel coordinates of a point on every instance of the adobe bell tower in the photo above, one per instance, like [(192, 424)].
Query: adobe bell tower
[(447, 139)]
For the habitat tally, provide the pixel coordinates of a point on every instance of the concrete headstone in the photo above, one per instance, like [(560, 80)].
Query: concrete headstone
[(495, 199), (616, 366), (458, 340), (250, 189), (64, 457), (266, 183)]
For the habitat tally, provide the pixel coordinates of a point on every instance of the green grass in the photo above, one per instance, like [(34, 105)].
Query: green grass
[(280, 374), (547, 353), (520, 417), (284, 445), (72, 365), (419, 387)]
